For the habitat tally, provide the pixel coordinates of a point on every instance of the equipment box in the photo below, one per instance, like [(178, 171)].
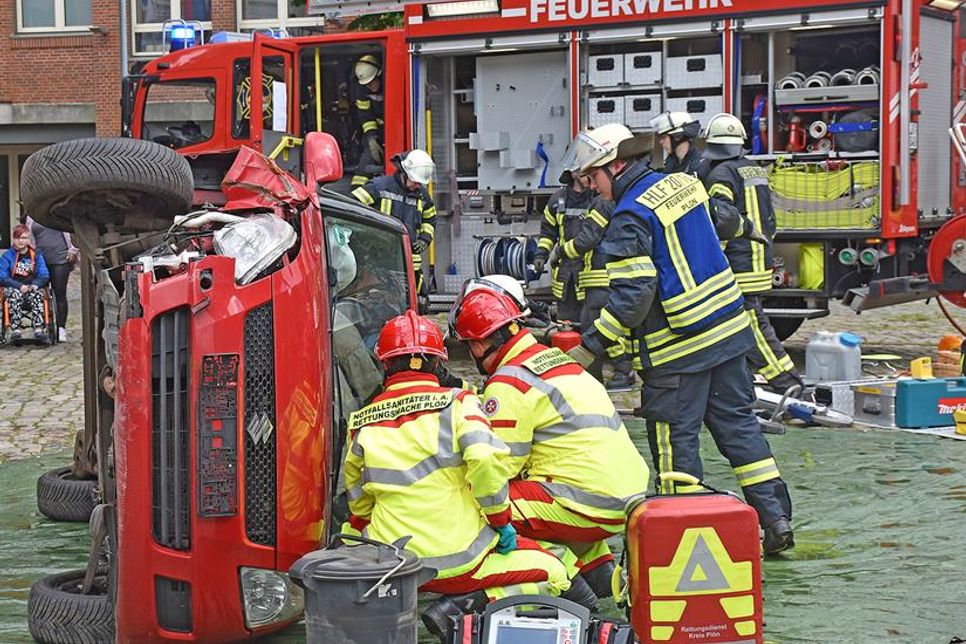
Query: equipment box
[(701, 108), (603, 110), (639, 109), (692, 72), (929, 403), (606, 70), (875, 404), (694, 563), (643, 68)]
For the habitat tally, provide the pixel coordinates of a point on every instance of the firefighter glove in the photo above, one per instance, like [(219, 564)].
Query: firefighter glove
[(538, 263), (582, 355), (555, 256), (508, 539), (419, 246), (375, 150)]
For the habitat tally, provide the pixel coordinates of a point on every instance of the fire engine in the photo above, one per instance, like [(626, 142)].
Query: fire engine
[(847, 106)]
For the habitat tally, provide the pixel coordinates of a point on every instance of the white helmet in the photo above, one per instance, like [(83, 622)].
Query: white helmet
[(596, 148), (676, 123), (367, 68), (725, 135), (418, 166), (500, 284)]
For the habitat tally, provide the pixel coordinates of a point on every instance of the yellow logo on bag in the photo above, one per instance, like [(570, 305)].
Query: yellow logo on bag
[(701, 566)]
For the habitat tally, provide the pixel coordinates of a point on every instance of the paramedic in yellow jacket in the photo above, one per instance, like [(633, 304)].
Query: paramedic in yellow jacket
[(573, 463), (424, 463)]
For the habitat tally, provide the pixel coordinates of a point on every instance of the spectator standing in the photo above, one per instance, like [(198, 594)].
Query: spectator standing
[(60, 255)]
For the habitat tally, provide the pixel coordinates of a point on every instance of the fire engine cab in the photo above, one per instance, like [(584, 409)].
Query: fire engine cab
[(847, 106)]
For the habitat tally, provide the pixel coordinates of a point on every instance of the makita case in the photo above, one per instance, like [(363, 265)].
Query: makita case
[(694, 569), (929, 403)]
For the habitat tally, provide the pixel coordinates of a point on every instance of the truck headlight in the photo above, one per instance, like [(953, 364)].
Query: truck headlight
[(269, 597)]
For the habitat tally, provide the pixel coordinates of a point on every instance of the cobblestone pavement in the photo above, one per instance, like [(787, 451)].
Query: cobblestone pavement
[(41, 391)]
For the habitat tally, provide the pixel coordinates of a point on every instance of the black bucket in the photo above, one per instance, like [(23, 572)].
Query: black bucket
[(363, 594)]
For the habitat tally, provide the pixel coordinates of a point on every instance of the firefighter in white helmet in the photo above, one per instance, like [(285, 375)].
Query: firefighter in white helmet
[(404, 196), (677, 132), (672, 291), (369, 108), (743, 183)]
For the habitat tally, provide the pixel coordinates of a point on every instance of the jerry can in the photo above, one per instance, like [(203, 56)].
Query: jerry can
[(694, 569)]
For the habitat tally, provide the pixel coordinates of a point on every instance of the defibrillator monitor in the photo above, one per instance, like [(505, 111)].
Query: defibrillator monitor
[(535, 619)]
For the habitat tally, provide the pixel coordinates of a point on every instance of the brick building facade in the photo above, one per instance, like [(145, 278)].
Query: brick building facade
[(60, 67)]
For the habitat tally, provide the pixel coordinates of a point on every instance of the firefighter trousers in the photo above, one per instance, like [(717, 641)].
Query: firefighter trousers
[(528, 570), (594, 301), (768, 356), (675, 406), (537, 514), (569, 307)]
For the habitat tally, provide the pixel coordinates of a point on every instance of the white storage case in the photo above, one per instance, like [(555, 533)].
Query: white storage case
[(606, 70), (643, 68), (605, 109), (701, 108), (691, 72), (639, 109)]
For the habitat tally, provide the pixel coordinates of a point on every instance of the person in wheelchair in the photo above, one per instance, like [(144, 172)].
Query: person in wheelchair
[(23, 275)]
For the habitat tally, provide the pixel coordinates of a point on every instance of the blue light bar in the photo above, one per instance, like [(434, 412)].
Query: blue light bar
[(181, 34)]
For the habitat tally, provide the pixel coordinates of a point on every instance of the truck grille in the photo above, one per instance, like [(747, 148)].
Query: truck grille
[(170, 475), (260, 476)]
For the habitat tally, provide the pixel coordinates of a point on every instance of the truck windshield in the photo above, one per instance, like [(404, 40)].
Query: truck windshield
[(371, 287), (179, 113)]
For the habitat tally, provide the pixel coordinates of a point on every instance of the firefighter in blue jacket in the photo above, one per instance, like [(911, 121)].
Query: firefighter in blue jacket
[(672, 291)]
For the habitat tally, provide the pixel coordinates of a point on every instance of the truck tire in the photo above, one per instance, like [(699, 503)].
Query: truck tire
[(57, 613), (138, 186), (62, 497), (785, 327)]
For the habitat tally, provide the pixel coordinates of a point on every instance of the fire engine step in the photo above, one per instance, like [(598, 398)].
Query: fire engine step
[(887, 292)]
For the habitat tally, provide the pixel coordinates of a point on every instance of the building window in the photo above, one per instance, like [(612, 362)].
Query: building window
[(148, 18), (291, 15), (53, 15)]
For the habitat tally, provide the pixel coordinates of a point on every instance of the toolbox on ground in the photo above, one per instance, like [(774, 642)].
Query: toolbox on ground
[(694, 569), (875, 403), (839, 395), (929, 403)]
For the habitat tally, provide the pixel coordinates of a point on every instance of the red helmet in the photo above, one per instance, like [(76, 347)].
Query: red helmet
[(410, 334), (482, 312)]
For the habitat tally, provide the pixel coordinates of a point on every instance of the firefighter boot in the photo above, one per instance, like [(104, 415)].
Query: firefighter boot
[(581, 593), (439, 617), (598, 578), (778, 536)]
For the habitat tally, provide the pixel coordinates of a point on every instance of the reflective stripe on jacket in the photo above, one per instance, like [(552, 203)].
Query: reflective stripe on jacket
[(562, 220), (745, 184), (423, 462), (562, 429), (414, 208)]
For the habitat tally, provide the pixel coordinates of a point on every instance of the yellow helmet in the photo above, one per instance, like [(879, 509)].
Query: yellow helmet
[(367, 68)]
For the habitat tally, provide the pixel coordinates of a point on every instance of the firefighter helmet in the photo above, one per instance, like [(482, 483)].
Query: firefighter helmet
[(417, 165), (410, 334), (501, 284), (596, 148), (367, 68), (725, 135), (679, 125), (481, 313)]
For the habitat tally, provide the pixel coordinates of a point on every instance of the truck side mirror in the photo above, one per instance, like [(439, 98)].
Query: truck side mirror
[(323, 161)]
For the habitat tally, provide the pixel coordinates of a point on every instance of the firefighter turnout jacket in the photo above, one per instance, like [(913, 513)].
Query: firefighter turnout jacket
[(562, 429), (693, 163), (670, 283), (369, 113), (562, 218), (423, 461), (744, 184), (414, 208)]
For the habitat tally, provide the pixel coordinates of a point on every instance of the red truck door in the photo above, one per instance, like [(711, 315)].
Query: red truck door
[(273, 96)]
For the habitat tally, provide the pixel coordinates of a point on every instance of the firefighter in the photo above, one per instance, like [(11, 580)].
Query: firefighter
[(370, 108), (678, 132), (572, 464), (420, 452), (671, 288), (743, 183), (562, 217), (403, 195)]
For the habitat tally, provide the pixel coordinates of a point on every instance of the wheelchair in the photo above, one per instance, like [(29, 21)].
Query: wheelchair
[(26, 324)]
